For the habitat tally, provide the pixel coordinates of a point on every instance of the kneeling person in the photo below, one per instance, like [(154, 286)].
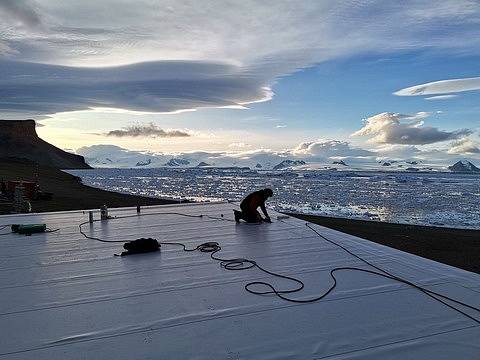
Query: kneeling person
[(250, 204)]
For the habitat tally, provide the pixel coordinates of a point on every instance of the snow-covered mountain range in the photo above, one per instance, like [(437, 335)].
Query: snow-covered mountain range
[(111, 156)]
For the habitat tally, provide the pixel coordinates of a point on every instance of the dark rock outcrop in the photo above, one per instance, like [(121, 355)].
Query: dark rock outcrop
[(144, 163), (18, 139), (285, 164), (177, 162)]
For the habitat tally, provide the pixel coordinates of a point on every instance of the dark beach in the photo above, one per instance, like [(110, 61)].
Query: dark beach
[(68, 191), (456, 247)]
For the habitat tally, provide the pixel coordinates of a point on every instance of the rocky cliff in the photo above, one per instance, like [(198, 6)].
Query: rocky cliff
[(19, 139)]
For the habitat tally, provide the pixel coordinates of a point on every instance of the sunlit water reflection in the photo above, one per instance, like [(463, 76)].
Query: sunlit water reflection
[(442, 199)]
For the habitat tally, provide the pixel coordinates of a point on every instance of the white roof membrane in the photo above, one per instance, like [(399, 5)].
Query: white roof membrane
[(66, 297)]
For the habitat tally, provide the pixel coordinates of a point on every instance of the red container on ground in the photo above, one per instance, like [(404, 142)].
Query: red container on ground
[(30, 187)]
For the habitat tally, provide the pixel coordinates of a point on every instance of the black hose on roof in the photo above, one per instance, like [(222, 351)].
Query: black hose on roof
[(238, 264)]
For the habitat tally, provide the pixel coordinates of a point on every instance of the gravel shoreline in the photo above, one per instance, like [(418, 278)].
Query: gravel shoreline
[(456, 247)]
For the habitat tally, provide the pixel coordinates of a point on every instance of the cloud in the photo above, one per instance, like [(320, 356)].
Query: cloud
[(324, 149), (113, 33), (192, 55), (396, 151), (281, 126), (160, 87), (395, 128), (5, 50), (239, 145), (20, 12), (148, 130), (441, 97), (464, 146), (441, 87)]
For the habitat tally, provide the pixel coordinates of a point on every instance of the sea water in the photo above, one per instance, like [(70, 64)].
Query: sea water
[(440, 199)]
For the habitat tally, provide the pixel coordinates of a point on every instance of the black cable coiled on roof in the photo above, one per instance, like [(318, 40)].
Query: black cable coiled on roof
[(237, 264), (244, 264)]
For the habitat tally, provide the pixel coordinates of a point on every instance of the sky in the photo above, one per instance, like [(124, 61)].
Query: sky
[(314, 79)]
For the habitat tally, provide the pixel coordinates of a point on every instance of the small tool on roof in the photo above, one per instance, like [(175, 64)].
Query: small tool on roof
[(140, 246), (28, 229)]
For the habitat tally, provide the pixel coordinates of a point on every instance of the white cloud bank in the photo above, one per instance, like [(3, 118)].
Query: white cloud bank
[(325, 149), (395, 128), (441, 87), (317, 154), (185, 55), (464, 146)]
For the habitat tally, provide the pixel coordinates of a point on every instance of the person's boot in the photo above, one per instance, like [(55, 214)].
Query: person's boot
[(238, 215)]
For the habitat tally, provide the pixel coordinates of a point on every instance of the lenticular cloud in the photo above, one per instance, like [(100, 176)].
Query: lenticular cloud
[(441, 87), (157, 87)]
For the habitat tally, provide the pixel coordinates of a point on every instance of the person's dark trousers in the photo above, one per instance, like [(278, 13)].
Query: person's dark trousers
[(248, 216)]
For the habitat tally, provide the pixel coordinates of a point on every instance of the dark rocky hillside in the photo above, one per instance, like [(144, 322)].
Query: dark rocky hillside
[(19, 139)]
